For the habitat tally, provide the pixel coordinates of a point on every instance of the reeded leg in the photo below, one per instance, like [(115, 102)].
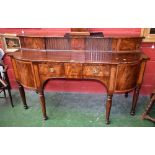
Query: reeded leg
[(149, 107), (22, 94), (108, 107), (43, 105), (134, 101)]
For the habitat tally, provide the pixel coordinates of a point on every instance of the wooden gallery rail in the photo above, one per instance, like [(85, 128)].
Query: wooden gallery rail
[(116, 62)]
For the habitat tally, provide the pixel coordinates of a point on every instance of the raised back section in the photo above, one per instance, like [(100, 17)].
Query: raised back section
[(97, 44), (81, 43), (57, 43)]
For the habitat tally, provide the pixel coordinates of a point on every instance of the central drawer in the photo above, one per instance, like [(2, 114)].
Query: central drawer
[(52, 69), (95, 70), (73, 70)]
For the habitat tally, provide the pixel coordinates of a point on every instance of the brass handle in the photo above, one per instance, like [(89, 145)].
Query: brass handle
[(96, 70), (52, 70)]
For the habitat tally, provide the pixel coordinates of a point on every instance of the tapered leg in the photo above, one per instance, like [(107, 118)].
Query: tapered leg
[(22, 94), (10, 96), (149, 107), (108, 107), (134, 101), (43, 105)]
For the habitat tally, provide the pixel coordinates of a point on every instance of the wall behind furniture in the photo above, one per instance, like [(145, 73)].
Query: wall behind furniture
[(88, 86)]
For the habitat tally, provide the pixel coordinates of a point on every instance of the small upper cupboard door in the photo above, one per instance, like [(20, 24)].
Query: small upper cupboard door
[(129, 44), (32, 42)]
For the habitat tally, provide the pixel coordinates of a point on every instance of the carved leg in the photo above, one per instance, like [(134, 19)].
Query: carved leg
[(108, 107), (22, 94), (134, 101), (43, 105), (149, 107), (126, 95)]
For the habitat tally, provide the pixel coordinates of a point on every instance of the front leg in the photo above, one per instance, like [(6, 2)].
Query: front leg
[(43, 104), (22, 94), (108, 107), (134, 101)]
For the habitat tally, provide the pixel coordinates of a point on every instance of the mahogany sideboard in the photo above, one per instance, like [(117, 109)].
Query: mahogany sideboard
[(116, 62), (118, 72)]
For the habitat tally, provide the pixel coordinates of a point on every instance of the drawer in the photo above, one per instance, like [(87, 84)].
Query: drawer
[(73, 70), (98, 70), (52, 69)]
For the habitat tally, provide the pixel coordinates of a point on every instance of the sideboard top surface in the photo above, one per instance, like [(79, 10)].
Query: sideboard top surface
[(78, 56)]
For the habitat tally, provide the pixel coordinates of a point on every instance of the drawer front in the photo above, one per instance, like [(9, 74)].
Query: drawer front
[(100, 70), (52, 69), (73, 70)]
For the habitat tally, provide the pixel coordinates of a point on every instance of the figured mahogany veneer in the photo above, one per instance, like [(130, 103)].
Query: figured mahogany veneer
[(118, 71), (80, 43)]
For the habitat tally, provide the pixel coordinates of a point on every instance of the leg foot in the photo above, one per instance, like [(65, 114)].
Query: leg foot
[(45, 118), (107, 122), (22, 94), (134, 101), (108, 107), (132, 113), (25, 107), (43, 104)]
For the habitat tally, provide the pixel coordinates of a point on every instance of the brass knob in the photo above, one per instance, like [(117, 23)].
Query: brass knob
[(52, 70), (96, 70)]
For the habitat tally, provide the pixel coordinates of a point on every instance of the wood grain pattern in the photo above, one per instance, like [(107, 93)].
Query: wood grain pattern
[(25, 73), (100, 70), (32, 43), (81, 43), (73, 70), (57, 43), (51, 69), (127, 76), (116, 62), (126, 44)]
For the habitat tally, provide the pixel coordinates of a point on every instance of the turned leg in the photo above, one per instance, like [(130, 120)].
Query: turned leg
[(149, 107), (22, 94), (134, 101), (108, 107), (43, 104)]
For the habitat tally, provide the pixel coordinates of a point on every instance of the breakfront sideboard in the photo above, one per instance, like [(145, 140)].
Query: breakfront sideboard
[(116, 62)]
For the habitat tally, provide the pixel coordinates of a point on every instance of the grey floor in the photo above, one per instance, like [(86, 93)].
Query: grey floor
[(72, 110)]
